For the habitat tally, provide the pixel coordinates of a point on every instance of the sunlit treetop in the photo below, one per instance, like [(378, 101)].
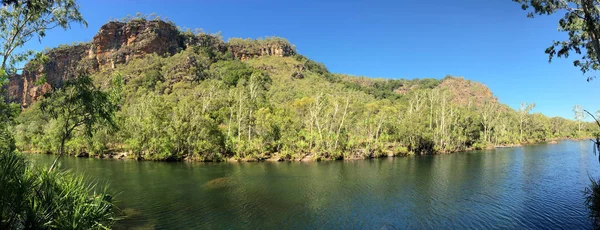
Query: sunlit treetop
[(23, 20)]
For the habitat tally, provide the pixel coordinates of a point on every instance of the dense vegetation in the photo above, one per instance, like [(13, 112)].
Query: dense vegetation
[(33, 197), (203, 104)]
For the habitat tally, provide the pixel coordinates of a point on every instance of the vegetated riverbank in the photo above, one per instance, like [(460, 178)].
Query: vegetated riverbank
[(216, 100), (307, 157), (488, 188)]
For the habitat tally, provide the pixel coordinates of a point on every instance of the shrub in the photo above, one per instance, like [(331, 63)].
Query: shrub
[(592, 200), (33, 198), (230, 72)]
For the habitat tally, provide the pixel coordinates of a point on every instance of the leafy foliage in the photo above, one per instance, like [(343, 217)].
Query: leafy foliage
[(230, 72), (582, 23), (23, 20), (79, 103), (32, 198), (8, 112), (592, 200), (202, 104)]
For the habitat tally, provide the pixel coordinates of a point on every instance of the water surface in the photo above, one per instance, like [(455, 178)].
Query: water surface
[(539, 186)]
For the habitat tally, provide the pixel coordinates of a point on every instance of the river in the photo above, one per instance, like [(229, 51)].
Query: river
[(538, 186)]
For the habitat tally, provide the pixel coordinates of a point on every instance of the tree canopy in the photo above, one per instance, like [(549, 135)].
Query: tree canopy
[(257, 109), (23, 20), (78, 104), (581, 21)]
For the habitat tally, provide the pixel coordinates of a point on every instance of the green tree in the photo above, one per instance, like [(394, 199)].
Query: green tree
[(78, 104), (582, 24), (8, 112), (230, 72), (524, 110), (26, 19)]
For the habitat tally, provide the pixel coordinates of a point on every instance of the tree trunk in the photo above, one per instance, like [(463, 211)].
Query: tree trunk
[(587, 7), (239, 118), (60, 153), (337, 136), (230, 120), (521, 131), (250, 125)]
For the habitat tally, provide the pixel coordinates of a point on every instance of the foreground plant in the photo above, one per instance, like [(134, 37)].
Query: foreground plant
[(33, 198), (592, 200)]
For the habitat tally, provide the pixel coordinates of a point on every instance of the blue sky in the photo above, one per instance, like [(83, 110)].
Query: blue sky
[(490, 41)]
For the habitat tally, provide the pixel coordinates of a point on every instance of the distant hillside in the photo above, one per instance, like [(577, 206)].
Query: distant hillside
[(117, 43), (196, 97)]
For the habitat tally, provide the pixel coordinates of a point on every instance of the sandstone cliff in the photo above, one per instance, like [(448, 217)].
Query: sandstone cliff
[(118, 43), (466, 91), (244, 49), (63, 64)]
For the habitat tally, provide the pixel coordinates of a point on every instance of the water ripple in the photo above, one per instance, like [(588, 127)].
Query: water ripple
[(534, 187)]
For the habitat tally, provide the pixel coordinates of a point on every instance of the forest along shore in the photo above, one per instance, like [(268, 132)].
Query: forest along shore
[(305, 157), (171, 95)]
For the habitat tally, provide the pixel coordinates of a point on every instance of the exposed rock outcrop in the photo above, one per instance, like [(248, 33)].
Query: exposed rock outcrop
[(119, 42), (38, 79), (244, 49), (466, 91)]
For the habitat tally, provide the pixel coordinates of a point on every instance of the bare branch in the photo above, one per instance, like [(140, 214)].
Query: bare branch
[(597, 122)]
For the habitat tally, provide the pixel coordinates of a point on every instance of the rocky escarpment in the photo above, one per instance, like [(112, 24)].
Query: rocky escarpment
[(119, 42), (466, 91), (244, 49), (38, 78), (115, 43)]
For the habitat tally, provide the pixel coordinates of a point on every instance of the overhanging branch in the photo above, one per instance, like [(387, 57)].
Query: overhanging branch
[(598, 123)]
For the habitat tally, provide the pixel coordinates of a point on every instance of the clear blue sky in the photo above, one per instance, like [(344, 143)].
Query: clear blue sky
[(490, 41)]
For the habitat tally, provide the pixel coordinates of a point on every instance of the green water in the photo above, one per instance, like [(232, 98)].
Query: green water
[(536, 186)]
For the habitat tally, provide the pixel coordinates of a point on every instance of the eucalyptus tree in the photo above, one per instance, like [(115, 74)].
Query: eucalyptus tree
[(78, 104), (23, 20), (524, 110), (579, 116), (488, 117)]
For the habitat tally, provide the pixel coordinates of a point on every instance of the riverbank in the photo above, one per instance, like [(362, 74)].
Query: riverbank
[(309, 157), (490, 186)]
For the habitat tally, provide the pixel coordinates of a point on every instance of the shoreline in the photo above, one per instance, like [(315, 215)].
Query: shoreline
[(306, 157)]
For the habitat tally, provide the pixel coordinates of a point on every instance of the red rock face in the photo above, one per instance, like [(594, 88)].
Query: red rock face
[(117, 43), (280, 50), (63, 65), (466, 91), (15, 88)]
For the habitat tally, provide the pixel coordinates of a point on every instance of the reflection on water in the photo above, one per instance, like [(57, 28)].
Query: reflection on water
[(529, 187)]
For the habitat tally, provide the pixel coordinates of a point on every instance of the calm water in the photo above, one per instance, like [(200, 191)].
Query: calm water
[(537, 187)]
